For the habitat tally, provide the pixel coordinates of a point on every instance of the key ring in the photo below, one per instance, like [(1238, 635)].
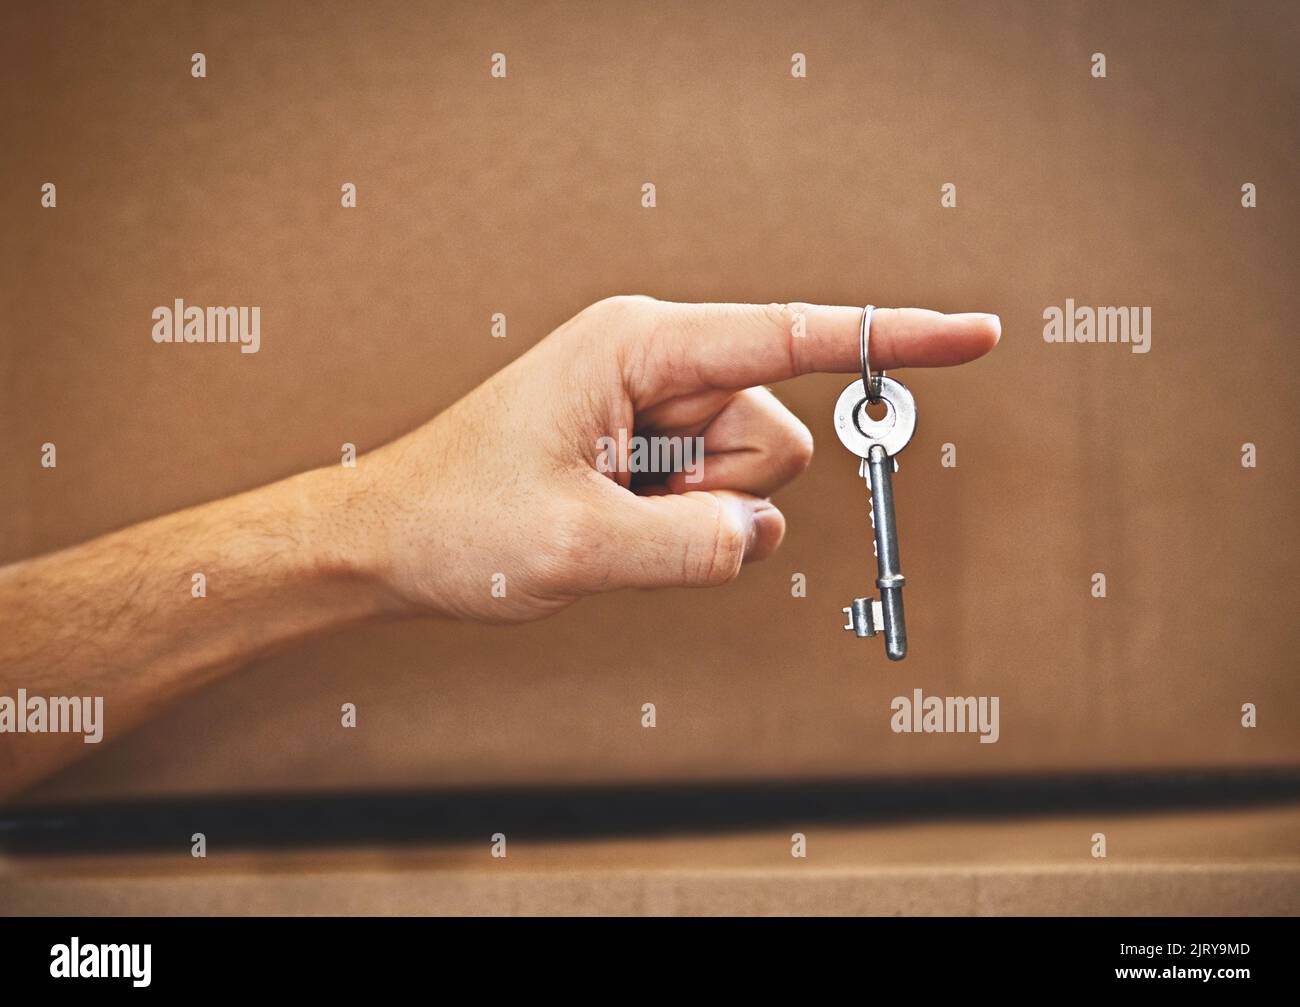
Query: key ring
[(869, 383)]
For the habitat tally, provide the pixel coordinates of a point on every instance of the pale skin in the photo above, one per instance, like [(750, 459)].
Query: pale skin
[(504, 481)]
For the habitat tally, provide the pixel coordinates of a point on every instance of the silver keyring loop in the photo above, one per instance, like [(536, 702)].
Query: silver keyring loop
[(869, 381)]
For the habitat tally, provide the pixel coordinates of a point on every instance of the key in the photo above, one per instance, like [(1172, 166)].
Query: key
[(877, 443)]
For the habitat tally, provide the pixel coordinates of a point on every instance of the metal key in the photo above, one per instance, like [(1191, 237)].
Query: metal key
[(877, 443)]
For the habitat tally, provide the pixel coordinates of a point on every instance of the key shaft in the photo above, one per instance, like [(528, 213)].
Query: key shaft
[(889, 576)]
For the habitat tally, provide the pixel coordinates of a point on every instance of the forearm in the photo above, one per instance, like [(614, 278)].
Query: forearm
[(124, 617)]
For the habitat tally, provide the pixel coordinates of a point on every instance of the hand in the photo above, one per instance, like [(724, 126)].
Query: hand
[(508, 481)]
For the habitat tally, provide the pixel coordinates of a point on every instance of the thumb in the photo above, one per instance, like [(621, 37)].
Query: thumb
[(696, 539)]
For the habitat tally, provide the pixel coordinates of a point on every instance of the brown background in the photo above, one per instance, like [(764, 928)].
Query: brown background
[(522, 195)]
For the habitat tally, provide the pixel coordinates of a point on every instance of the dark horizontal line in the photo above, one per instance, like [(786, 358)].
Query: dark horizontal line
[(600, 811)]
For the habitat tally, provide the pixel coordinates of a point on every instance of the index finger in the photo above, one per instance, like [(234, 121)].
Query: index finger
[(696, 346)]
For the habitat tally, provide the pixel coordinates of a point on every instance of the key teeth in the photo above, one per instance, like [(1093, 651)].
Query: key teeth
[(866, 617)]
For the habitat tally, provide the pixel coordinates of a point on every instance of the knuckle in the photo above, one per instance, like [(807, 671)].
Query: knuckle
[(791, 319), (799, 448), (623, 320), (778, 315), (620, 307), (634, 300), (787, 315)]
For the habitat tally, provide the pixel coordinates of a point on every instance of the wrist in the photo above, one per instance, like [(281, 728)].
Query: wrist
[(343, 545)]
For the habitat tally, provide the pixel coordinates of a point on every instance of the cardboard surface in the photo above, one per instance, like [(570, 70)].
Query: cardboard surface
[(522, 196), (1186, 863)]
